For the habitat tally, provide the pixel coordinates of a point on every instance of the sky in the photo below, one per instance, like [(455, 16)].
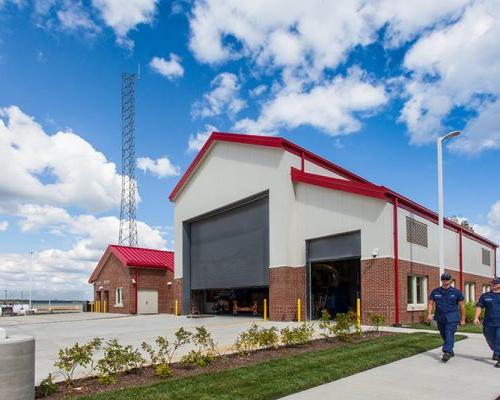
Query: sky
[(369, 85)]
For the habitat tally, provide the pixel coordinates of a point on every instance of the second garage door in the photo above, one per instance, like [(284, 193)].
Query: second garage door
[(147, 301)]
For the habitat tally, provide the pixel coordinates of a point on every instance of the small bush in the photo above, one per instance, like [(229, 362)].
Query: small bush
[(118, 359), (77, 356), (205, 352), (325, 324), (344, 326), (166, 350), (47, 386), (107, 379), (163, 371), (470, 309), (256, 337), (377, 320), (196, 358), (297, 335)]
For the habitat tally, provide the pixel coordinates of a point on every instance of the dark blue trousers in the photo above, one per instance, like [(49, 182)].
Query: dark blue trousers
[(492, 335), (447, 331)]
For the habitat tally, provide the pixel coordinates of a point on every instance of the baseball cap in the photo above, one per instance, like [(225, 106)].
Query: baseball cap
[(446, 277), (495, 281)]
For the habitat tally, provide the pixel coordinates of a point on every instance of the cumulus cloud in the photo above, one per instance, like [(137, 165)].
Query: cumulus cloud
[(64, 273), (197, 141), (59, 169), (124, 16), (162, 167), (452, 67), (331, 106), (4, 225), (171, 69), (491, 230), (223, 98)]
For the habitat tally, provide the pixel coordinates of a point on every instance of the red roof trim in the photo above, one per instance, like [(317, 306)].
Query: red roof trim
[(265, 141), (363, 189)]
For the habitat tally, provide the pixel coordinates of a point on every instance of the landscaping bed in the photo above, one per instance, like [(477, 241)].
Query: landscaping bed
[(260, 374), (468, 328)]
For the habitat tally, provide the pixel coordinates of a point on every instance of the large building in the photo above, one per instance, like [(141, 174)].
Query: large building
[(133, 280), (259, 218)]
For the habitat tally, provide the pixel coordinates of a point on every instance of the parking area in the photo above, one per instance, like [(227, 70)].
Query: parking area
[(55, 331)]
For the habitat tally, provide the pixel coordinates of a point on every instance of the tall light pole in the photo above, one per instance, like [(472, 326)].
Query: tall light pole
[(440, 195), (31, 275)]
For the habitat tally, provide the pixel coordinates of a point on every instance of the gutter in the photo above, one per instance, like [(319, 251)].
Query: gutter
[(396, 260)]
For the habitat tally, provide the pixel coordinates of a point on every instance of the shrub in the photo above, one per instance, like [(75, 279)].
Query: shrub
[(325, 324), (163, 371), (470, 309), (198, 359), (107, 379), (344, 324), (70, 358), (47, 386), (297, 335), (377, 320), (166, 350), (118, 359), (257, 337), (205, 352)]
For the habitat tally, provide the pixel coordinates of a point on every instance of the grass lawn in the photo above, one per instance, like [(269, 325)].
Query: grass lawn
[(280, 377), (469, 328)]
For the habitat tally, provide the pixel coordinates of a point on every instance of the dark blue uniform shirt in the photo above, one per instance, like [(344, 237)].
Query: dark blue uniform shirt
[(446, 301), (491, 303)]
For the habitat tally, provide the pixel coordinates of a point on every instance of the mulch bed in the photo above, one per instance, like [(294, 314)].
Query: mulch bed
[(145, 376)]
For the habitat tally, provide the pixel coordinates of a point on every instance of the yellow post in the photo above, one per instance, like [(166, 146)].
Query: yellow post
[(298, 310), (98, 305), (265, 309), (176, 307), (104, 305), (358, 311)]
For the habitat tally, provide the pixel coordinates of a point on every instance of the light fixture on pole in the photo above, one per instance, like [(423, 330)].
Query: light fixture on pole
[(440, 195)]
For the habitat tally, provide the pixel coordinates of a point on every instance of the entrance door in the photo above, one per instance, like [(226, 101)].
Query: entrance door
[(147, 301)]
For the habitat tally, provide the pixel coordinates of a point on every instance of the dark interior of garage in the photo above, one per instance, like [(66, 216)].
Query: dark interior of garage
[(241, 301), (335, 286)]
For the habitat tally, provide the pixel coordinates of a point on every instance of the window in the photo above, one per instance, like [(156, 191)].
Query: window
[(486, 288), (119, 296), (417, 292), (486, 257), (416, 232), (469, 292)]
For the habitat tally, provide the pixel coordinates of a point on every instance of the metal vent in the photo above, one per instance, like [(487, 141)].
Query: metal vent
[(486, 257), (416, 232)]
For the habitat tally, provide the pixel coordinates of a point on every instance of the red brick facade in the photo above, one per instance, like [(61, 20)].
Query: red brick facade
[(114, 275), (286, 285)]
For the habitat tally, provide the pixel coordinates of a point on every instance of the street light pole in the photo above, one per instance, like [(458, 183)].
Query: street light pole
[(440, 196), (31, 273)]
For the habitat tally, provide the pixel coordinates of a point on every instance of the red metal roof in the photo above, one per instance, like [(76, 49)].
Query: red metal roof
[(136, 257)]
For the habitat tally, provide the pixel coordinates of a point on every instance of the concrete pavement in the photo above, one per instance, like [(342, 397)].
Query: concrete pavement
[(469, 375)]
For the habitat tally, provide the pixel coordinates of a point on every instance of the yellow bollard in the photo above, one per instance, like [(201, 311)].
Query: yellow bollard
[(104, 305), (265, 309), (98, 306), (298, 310), (358, 312), (176, 308)]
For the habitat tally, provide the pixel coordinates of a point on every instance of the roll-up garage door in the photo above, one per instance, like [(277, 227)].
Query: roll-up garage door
[(231, 249), (336, 247)]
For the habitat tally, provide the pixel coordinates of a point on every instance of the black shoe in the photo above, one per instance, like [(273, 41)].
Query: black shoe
[(497, 365), (452, 354), (446, 357), (495, 357)]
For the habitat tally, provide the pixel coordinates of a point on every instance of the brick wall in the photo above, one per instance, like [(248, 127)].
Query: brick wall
[(286, 285)]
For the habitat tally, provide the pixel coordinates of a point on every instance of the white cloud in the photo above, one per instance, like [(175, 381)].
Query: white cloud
[(197, 141), (162, 167), (223, 98), (72, 16), (258, 90), (457, 66), (64, 273), (4, 225), (170, 69), (491, 230), (331, 106), (60, 169), (123, 16)]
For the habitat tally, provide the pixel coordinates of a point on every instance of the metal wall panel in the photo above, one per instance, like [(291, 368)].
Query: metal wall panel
[(231, 249), (336, 247)]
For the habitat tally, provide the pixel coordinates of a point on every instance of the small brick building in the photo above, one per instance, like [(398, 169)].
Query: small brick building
[(132, 280), (259, 218)]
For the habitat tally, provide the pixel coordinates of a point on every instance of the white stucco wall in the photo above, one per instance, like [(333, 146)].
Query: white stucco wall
[(472, 257)]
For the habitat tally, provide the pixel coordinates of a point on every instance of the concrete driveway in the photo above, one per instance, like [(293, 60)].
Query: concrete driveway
[(470, 375), (62, 330)]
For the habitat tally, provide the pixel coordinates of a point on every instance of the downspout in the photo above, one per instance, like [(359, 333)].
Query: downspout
[(396, 261), (495, 261), (302, 161), (135, 292), (460, 261)]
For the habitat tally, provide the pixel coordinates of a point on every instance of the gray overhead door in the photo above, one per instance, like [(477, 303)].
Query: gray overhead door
[(335, 247), (231, 249)]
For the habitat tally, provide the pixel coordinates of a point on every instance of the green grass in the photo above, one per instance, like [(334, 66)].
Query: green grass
[(469, 328), (276, 378)]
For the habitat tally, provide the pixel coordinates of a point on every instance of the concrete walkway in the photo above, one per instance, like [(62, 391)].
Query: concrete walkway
[(470, 375)]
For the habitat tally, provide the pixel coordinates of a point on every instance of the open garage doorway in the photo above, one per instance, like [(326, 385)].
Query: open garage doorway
[(333, 274), (248, 301)]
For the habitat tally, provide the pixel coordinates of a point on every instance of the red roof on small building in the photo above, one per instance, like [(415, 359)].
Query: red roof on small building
[(136, 257)]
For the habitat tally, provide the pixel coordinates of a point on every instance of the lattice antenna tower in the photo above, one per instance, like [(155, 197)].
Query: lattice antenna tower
[(128, 223)]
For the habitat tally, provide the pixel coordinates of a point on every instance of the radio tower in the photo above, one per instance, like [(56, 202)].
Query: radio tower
[(128, 224)]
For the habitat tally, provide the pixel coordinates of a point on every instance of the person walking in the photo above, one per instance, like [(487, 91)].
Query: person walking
[(490, 302), (447, 301)]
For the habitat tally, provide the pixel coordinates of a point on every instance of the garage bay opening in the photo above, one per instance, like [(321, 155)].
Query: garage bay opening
[(241, 301), (333, 274)]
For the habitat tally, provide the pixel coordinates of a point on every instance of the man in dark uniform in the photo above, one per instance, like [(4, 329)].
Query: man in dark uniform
[(447, 300), (490, 302)]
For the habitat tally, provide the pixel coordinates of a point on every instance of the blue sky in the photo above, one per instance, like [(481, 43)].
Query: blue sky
[(368, 85)]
